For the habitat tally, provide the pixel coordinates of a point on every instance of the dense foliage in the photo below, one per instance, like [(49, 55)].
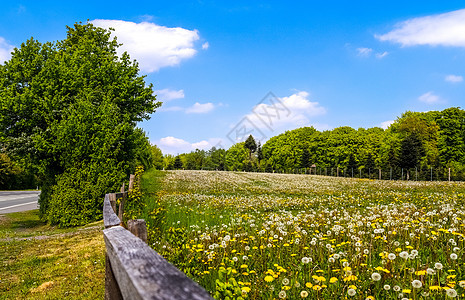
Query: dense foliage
[(14, 176), (70, 109), (415, 142)]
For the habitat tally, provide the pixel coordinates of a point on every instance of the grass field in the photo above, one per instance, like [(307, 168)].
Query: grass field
[(272, 236), (38, 261)]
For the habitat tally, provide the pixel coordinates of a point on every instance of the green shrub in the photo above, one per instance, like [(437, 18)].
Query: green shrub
[(77, 197)]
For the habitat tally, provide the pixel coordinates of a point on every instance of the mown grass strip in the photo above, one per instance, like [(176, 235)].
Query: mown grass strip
[(39, 261)]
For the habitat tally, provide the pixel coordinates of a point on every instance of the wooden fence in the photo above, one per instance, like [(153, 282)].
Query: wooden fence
[(133, 269)]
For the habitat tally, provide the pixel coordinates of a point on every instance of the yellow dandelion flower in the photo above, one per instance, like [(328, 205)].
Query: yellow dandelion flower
[(309, 285), (316, 287), (332, 280), (351, 278), (407, 291), (269, 278)]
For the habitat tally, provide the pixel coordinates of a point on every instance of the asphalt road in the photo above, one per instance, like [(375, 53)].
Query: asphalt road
[(14, 201)]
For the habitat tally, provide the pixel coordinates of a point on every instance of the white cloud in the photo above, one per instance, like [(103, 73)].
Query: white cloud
[(292, 112), (381, 55), (364, 51), (172, 145), (386, 124), (205, 46), (429, 98), (170, 108), (199, 108), (5, 50), (166, 95), (446, 29), (453, 78), (152, 45)]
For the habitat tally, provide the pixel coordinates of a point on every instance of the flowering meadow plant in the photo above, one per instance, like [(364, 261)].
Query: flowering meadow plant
[(278, 236)]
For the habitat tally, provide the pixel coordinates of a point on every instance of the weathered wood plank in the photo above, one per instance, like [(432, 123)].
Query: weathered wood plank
[(109, 217), (143, 274), (121, 195)]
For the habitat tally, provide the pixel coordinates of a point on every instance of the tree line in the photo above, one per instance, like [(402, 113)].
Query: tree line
[(415, 141)]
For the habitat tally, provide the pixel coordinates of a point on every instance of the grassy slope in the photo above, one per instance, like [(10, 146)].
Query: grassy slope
[(39, 261)]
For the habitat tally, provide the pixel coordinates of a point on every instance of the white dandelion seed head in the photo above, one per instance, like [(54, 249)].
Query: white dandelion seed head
[(438, 266), (404, 254), (417, 284), (451, 293), (351, 292), (376, 276)]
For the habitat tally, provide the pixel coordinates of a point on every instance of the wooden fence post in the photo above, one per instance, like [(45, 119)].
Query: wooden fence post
[(112, 198), (121, 205), (131, 182), (138, 228), (112, 291)]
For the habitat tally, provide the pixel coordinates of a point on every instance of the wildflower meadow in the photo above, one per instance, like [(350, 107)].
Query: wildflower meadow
[(279, 236)]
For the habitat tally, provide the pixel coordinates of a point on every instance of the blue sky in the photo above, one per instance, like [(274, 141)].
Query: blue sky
[(326, 63)]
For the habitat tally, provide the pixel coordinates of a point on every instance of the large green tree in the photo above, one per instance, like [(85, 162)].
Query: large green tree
[(70, 108)]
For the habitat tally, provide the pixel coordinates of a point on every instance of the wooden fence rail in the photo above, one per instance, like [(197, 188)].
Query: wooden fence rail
[(136, 271)]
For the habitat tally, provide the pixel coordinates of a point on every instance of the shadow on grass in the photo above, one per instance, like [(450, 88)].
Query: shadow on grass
[(25, 220)]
